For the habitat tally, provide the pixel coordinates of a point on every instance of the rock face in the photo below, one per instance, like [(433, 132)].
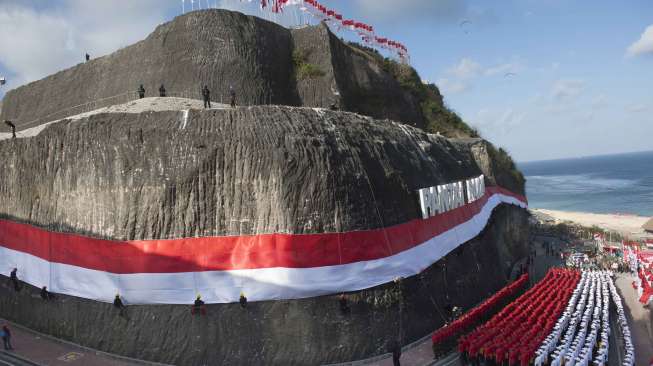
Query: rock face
[(251, 170), (224, 172), (220, 49), (244, 171)]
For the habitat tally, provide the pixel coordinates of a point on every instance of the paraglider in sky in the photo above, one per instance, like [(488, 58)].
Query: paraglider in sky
[(509, 74), (465, 25)]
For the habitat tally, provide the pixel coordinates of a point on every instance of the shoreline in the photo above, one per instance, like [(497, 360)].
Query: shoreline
[(625, 224)]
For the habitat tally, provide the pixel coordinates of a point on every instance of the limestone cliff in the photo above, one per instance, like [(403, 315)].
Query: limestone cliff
[(220, 49), (250, 170), (243, 171)]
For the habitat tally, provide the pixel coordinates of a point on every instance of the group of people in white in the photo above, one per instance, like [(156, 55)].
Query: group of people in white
[(581, 335)]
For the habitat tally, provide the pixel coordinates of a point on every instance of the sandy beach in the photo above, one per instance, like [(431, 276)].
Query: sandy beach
[(628, 225)]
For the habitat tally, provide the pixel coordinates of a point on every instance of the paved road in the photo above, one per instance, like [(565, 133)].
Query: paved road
[(639, 319), (44, 350)]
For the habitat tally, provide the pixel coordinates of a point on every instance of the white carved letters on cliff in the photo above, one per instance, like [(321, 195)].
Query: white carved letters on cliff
[(446, 197)]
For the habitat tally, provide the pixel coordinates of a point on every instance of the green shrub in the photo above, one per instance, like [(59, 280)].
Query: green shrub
[(303, 69)]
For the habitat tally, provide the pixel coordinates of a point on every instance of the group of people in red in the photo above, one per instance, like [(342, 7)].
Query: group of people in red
[(448, 334), (513, 335)]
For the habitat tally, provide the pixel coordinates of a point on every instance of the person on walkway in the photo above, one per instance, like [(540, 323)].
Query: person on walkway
[(206, 95), (395, 349), (46, 295), (162, 91), (14, 279), (141, 92), (13, 128), (6, 338), (232, 94)]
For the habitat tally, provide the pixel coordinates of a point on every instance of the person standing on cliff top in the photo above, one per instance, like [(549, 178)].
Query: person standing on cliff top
[(88, 57), (206, 95), (141, 92), (162, 91), (232, 94), (13, 128)]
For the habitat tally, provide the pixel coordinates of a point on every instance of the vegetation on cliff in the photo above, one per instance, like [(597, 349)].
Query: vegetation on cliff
[(439, 118)]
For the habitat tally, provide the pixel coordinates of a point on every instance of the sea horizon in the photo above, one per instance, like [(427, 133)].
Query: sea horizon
[(603, 184)]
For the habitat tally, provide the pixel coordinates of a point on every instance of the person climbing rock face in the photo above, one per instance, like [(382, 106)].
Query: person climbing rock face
[(45, 294), (118, 304), (141, 92), (206, 95), (232, 94), (344, 306), (14, 279), (198, 306)]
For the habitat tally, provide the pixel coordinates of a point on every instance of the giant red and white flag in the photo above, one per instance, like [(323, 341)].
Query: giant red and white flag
[(264, 266)]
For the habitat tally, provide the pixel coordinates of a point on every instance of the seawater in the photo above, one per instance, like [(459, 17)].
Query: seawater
[(600, 184)]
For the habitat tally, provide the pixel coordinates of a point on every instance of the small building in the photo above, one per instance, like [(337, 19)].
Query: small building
[(648, 227)]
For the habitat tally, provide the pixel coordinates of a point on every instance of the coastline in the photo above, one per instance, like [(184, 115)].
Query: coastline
[(627, 225)]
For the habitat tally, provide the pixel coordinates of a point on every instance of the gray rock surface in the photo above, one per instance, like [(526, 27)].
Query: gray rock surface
[(219, 49), (243, 171), (224, 172)]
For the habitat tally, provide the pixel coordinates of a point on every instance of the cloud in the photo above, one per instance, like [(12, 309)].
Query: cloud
[(644, 45), (451, 10), (513, 67), (40, 38), (449, 86), (599, 102), (637, 108), (566, 90), (495, 122), (465, 69)]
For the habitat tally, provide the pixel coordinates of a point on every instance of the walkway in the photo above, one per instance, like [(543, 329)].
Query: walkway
[(639, 319), (41, 349)]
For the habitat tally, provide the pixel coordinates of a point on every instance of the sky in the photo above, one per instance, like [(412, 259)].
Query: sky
[(544, 79)]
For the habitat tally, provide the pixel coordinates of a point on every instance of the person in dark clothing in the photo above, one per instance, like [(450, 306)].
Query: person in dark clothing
[(117, 303), (46, 295), (344, 306), (6, 338), (232, 94), (141, 92), (162, 91), (88, 57), (13, 128), (206, 95), (395, 349), (243, 300), (198, 306), (14, 279)]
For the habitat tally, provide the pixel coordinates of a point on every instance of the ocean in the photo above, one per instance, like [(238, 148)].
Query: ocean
[(620, 183)]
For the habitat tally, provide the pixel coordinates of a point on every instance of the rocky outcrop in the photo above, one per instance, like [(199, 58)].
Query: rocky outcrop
[(224, 172), (220, 49), (244, 171)]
